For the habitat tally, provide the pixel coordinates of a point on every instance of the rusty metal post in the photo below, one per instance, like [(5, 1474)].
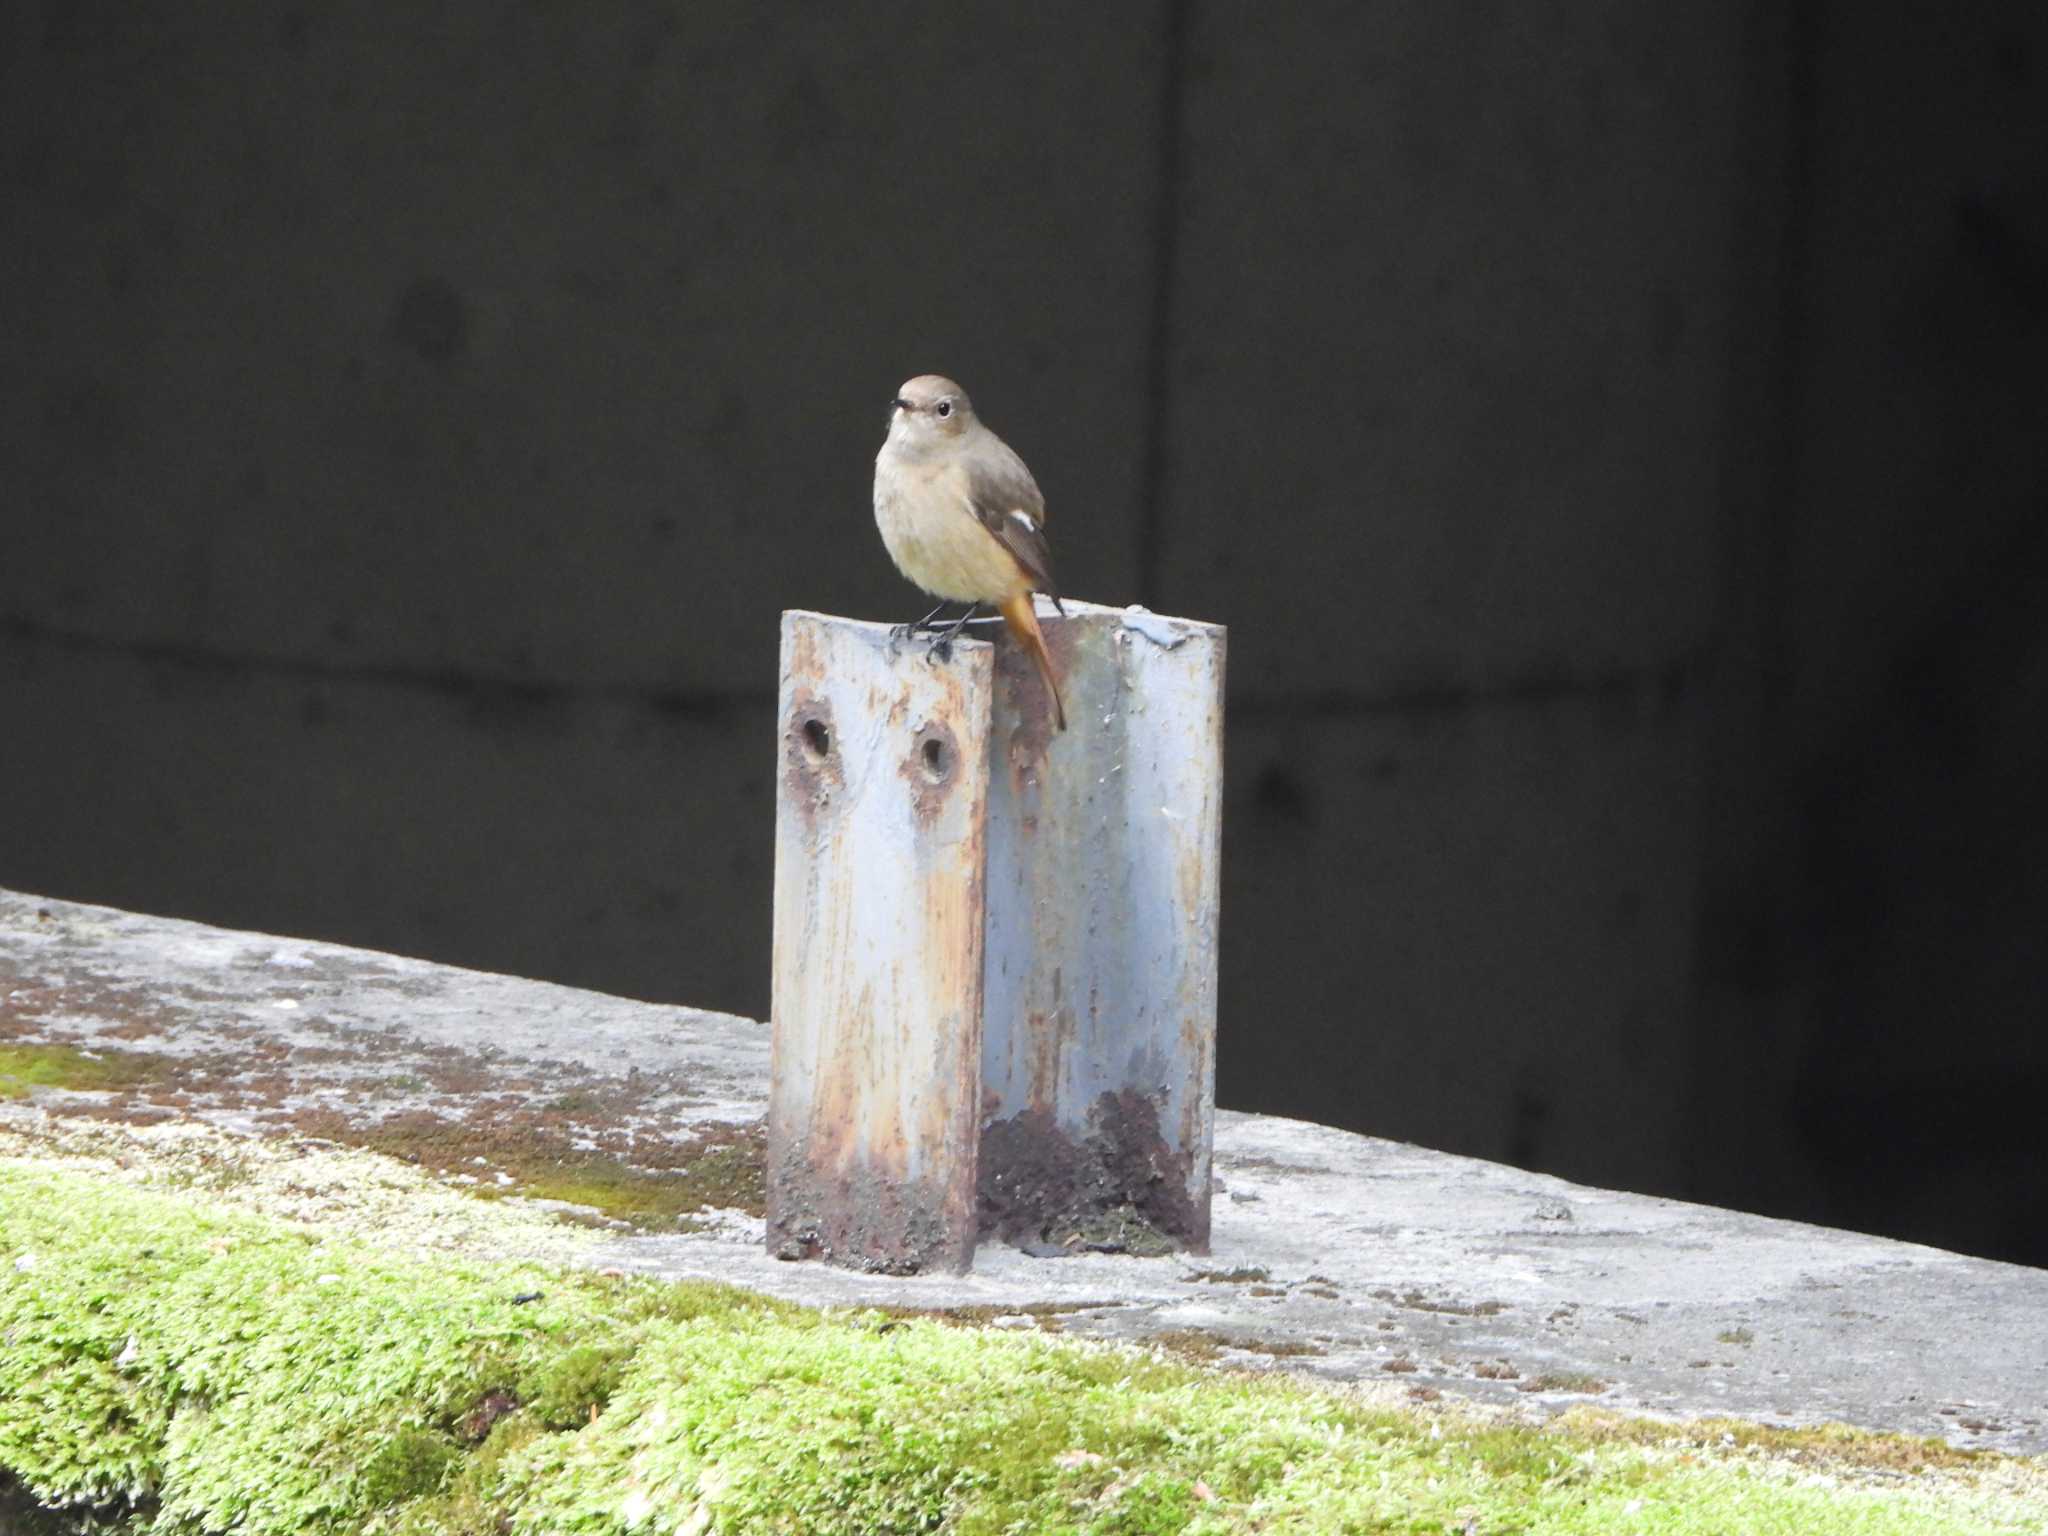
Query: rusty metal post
[(1099, 1008), (880, 848), (995, 945)]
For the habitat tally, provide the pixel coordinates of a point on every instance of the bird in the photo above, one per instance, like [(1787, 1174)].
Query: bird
[(962, 518)]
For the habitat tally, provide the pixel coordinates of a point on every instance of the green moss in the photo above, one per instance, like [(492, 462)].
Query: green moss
[(1827, 1445), (409, 1464), (572, 1388), (1150, 1506), (644, 1200), (27, 1067), (723, 1168), (470, 1503), (226, 1372)]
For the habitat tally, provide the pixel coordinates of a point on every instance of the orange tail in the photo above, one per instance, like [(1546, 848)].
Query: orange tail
[(1023, 621)]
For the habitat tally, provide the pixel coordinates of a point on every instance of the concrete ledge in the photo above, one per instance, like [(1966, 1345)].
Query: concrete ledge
[(1334, 1255)]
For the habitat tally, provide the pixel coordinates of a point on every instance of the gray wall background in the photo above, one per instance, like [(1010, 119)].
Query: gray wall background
[(1614, 435)]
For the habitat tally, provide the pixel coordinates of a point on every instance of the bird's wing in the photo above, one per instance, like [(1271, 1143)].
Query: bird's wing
[(1002, 494)]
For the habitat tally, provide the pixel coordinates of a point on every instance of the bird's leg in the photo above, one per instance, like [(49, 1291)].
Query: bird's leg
[(905, 631), (942, 644)]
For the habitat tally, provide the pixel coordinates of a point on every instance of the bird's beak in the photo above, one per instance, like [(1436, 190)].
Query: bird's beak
[(899, 404)]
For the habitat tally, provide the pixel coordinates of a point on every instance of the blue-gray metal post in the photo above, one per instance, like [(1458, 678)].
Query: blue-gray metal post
[(1099, 1009), (880, 822), (995, 943)]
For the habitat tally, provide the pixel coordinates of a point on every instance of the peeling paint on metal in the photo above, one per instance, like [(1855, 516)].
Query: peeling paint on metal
[(1103, 861), (1161, 631), (879, 852)]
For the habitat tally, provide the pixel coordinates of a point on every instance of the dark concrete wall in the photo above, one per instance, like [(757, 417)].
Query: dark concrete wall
[(1594, 423), (1877, 966)]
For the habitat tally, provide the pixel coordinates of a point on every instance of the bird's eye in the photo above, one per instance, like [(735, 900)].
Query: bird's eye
[(945, 407)]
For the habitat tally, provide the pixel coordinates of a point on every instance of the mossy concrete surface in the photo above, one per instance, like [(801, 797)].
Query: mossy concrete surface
[(171, 1363), (492, 1119)]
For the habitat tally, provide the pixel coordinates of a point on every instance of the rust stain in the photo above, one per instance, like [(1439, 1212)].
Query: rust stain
[(811, 755), (1047, 1037), (932, 768), (1030, 708), (840, 1130), (1192, 861), (953, 969), (877, 1047), (1025, 759)]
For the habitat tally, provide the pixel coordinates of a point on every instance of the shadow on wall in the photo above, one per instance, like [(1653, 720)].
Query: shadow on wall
[(1924, 1078), (1925, 867)]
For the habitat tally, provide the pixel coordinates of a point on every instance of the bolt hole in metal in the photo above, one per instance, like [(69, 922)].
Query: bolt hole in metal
[(817, 740), (933, 756)]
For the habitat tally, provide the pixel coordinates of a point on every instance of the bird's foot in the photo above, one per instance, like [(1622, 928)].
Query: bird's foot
[(941, 648), (902, 632)]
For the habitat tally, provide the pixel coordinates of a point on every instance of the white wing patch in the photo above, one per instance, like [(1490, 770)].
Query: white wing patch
[(1025, 519)]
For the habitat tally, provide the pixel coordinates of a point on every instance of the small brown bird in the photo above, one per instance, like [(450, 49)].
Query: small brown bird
[(962, 517)]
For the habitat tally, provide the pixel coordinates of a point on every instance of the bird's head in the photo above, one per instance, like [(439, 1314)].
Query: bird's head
[(929, 411)]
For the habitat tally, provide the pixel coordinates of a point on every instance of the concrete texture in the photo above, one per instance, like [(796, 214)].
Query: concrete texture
[(492, 344), (553, 833), (1344, 1256), (1506, 474), (1486, 910)]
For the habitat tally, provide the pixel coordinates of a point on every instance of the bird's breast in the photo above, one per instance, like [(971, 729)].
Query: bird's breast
[(930, 530)]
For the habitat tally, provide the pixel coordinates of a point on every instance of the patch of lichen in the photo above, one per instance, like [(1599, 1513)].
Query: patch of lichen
[(253, 1376), (1417, 1301), (1123, 1229), (647, 1183), (27, 1067), (1242, 1275), (723, 1168), (648, 1200), (1580, 1382), (1045, 1314), (1205, 1345)]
